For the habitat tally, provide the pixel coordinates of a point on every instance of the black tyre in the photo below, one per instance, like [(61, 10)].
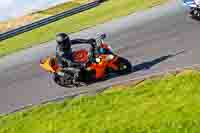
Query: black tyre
[(63, 80), (66, 81), (125, 66), (195, 13), (59, 80)]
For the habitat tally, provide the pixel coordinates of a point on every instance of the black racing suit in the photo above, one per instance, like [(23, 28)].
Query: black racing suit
[(65, 59), (92, 42)]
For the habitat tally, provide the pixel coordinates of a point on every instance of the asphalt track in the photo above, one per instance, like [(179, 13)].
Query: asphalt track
[(157, 40)]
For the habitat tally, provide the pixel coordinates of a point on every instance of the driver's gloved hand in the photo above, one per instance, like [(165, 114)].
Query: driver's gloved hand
[(92, 42)]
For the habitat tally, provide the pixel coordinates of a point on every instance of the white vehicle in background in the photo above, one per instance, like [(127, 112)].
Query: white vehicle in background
[(194, 7)]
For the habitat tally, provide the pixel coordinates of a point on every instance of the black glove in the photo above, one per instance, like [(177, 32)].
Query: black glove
[(92, 42)]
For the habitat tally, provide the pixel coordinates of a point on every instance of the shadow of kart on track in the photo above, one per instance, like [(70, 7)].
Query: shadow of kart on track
[(104, 63), (148, 64)]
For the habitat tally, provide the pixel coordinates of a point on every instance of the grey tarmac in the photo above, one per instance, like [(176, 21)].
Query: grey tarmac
[(160, 39)]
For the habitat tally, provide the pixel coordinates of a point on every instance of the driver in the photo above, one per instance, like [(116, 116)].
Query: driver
[(64, 55)]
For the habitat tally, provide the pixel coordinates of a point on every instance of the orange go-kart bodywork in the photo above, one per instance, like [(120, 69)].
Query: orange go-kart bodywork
[(100, 68), (50, 64)]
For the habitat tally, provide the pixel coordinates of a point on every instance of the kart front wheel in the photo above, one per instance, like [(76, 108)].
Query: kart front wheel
[(124, 66)]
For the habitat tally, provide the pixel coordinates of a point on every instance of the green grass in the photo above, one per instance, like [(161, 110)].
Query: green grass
[(166, 105), (59, 8), (107, 11)]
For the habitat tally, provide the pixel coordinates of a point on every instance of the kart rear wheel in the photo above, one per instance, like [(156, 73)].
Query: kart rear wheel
[(66, 81), (124, 66), (63, 80), (59, 80)]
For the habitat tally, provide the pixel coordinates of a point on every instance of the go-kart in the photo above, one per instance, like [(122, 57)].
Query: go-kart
[(104, 64), (193, 8)]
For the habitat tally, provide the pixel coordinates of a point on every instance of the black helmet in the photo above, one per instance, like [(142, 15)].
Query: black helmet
[(63, 38)]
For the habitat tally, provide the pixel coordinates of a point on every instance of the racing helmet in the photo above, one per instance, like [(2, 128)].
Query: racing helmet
[(63, 39)]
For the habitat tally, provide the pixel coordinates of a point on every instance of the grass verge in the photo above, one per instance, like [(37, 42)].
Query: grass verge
[(107, 11), (59, 8), (27, 19), (169, 104)]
